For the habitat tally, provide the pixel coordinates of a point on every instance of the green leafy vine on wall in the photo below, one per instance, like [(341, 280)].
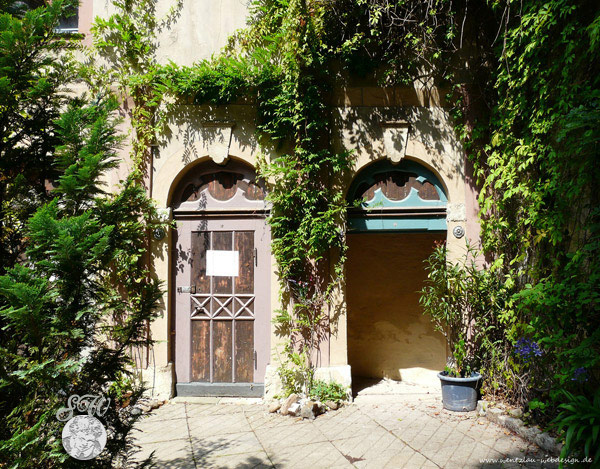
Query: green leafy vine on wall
[(524, 81), (124, 56), (284, 49)]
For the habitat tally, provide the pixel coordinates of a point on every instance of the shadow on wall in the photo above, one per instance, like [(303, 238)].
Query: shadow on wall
[(360, 128), (188, 129)]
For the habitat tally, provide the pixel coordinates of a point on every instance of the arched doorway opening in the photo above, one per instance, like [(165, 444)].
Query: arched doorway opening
[(220, 281), (399, 215)]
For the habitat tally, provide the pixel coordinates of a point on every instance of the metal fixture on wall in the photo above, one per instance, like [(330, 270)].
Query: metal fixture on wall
[(458, 232)]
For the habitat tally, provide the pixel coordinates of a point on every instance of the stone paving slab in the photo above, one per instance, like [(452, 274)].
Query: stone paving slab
[(168, 454), (403, 430)]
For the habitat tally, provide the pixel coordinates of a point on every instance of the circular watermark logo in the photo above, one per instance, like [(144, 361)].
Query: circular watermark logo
[(84, 437)]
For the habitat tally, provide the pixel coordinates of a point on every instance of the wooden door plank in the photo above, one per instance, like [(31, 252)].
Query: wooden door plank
[(222, 360), (244, 243), (200, 351), (200, 244), (244, 351)]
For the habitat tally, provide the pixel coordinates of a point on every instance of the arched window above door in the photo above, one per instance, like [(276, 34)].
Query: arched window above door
[(212, 187), (403, 197)]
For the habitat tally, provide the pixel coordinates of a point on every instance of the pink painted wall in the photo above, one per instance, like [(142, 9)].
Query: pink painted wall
[(86, 17)]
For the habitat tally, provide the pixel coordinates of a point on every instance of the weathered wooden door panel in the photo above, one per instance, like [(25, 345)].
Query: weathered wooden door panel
[(200, 352), (222, 313), (222, 363), (244, 351), (200, 243)]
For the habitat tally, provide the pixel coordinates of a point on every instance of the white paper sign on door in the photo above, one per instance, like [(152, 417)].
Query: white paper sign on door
[(222, 263)]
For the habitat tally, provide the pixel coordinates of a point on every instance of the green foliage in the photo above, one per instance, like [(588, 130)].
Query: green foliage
[(222, 80), (464, 303), (35, 65), (297, 376), (324, 391), (78, 302), (525, 86), (579, 423), (397, 42), (125, 43), (540, 181), (307, 206)]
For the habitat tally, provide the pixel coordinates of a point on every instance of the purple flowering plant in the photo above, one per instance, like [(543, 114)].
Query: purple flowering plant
[(527, 349), (580, 375)]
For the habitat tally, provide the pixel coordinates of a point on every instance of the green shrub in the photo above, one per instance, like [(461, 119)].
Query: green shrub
[(463, 302), (323, 391), (295, 372), (579, 423)]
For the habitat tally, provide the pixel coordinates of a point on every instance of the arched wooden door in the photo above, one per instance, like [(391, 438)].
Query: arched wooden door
[(221, 282)]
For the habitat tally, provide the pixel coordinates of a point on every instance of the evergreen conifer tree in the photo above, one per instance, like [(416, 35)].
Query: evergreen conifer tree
[(75, 293), (36, 68)]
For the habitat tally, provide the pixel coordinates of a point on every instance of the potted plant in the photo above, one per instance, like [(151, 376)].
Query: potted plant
[(456, 298)]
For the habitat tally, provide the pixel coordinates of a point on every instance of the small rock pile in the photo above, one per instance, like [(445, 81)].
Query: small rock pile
[(146, 405), (296, 406)]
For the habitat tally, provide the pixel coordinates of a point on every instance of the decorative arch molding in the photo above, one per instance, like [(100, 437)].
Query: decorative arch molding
[(175, 166), (210, 187), (401, 197)]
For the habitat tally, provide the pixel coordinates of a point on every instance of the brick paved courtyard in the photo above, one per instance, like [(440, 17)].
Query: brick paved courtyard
[(403, 430)]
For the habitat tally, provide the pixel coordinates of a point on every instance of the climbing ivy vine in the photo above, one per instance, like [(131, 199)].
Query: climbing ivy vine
[(523, 85), (282, 61), (124, 55), (540, 188)]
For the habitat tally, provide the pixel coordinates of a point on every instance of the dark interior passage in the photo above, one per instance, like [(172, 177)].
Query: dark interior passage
[(388, 336)]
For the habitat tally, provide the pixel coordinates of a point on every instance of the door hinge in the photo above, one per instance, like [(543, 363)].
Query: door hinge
[(255, 364), (191, 289), (256, 257)]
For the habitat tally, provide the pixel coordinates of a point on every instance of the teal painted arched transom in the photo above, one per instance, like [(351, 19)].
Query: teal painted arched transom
[(402, 197)]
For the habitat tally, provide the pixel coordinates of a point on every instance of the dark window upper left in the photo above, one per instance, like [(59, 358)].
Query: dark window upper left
[(69, 23)]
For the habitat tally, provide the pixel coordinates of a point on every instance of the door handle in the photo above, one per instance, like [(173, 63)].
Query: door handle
[(191, 289)]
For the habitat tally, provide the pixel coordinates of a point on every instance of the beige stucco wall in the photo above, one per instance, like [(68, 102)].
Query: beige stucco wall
[(431, 143), (200, 30)]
